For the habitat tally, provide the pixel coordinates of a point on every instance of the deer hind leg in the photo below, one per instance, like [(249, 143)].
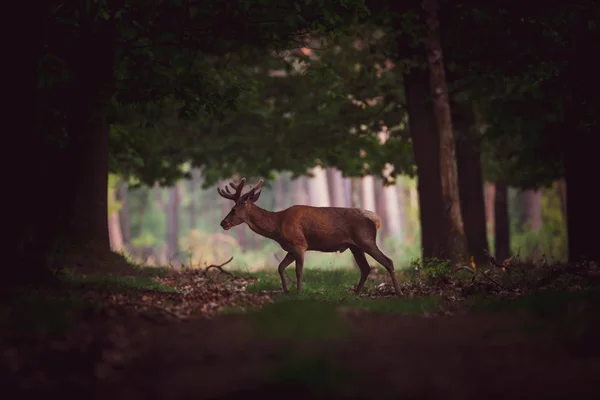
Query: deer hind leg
[(299, 256), (388, 264), (287, 260), (363, 265)]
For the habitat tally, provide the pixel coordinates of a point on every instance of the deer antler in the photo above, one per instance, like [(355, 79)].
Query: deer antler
[(238, 190)]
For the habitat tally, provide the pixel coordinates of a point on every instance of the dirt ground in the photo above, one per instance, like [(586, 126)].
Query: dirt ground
[(121, 352)]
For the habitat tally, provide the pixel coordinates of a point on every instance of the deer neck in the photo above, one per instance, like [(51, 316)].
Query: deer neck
[(262, 221)]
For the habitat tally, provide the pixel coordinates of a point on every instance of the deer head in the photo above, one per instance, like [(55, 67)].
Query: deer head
[(239, 212)]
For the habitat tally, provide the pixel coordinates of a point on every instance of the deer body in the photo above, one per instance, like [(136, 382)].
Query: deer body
[(301, 228)]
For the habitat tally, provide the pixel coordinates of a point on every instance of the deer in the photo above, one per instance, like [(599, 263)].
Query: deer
[(301, 228)]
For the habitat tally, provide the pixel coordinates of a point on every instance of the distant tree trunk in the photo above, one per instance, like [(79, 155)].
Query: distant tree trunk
[(437, 79), (279, 193), (391, 212), (336, 187), (490, 193), (470, 178), (124, 219), (426, 147), (194, 184), (368, 193), (501, 223), (530, 209), (355, 192), (318, 191), (173, 223), (299, 191), (114, 227), (403, 204), (561, 189)]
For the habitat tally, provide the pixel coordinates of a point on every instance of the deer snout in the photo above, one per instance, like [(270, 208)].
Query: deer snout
[(225, 225)]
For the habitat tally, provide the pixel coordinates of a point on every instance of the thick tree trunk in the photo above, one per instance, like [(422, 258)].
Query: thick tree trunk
[(124, 220), (470, 178), (437, 80), (583, 212), (435, 225), (501, 223), (318, 192), (368, 193), (355, 192), (336, 187), (172, 221)]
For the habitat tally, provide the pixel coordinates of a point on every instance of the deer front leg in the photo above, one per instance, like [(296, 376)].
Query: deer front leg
[(287, 260)]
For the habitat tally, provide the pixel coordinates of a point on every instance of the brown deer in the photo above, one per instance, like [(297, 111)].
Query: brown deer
[(301, 228)]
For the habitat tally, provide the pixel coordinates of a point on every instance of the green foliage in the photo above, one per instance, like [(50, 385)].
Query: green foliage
[(432, 269)]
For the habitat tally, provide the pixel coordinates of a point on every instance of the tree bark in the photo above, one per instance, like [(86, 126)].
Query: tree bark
[(583, 212), (336, 187), (437, 80), (561, 189), (114, 227), (194, 184), (501, 223), (299, 191), (368, 193), (435, 225), (530, 209), (318, 192), (490, 193), (279, 193), (172, 221), (355, 191), (470, 178)]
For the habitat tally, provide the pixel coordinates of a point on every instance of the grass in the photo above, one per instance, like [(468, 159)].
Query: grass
[(571, 318), (112, 283), (315, 311)]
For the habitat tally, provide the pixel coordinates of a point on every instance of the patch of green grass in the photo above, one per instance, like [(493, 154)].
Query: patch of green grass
[(39, 313), (115, 283), (572, 318), (301, 319), (308, 370)]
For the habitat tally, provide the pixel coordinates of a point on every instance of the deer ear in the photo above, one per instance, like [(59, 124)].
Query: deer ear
[(255, 196)]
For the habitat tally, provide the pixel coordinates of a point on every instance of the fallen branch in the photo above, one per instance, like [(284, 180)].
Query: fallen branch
[(503, 286), (495, 263), (220, 268)]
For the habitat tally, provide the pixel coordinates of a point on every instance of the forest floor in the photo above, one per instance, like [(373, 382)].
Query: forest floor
[(148, 333)]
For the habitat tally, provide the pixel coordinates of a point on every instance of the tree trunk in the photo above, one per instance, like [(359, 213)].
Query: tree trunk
[(561, 189), (501, 223), (124, 220), (437, 80), (425, 138), (318, 192), (172, 239), (530, 209), (355, 191), (490, 193), (368, 193), (392, 220), (470, 178), (299, 191), (194, 184), (583, 212), (336, 187), (114, 227), (279, 193)]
